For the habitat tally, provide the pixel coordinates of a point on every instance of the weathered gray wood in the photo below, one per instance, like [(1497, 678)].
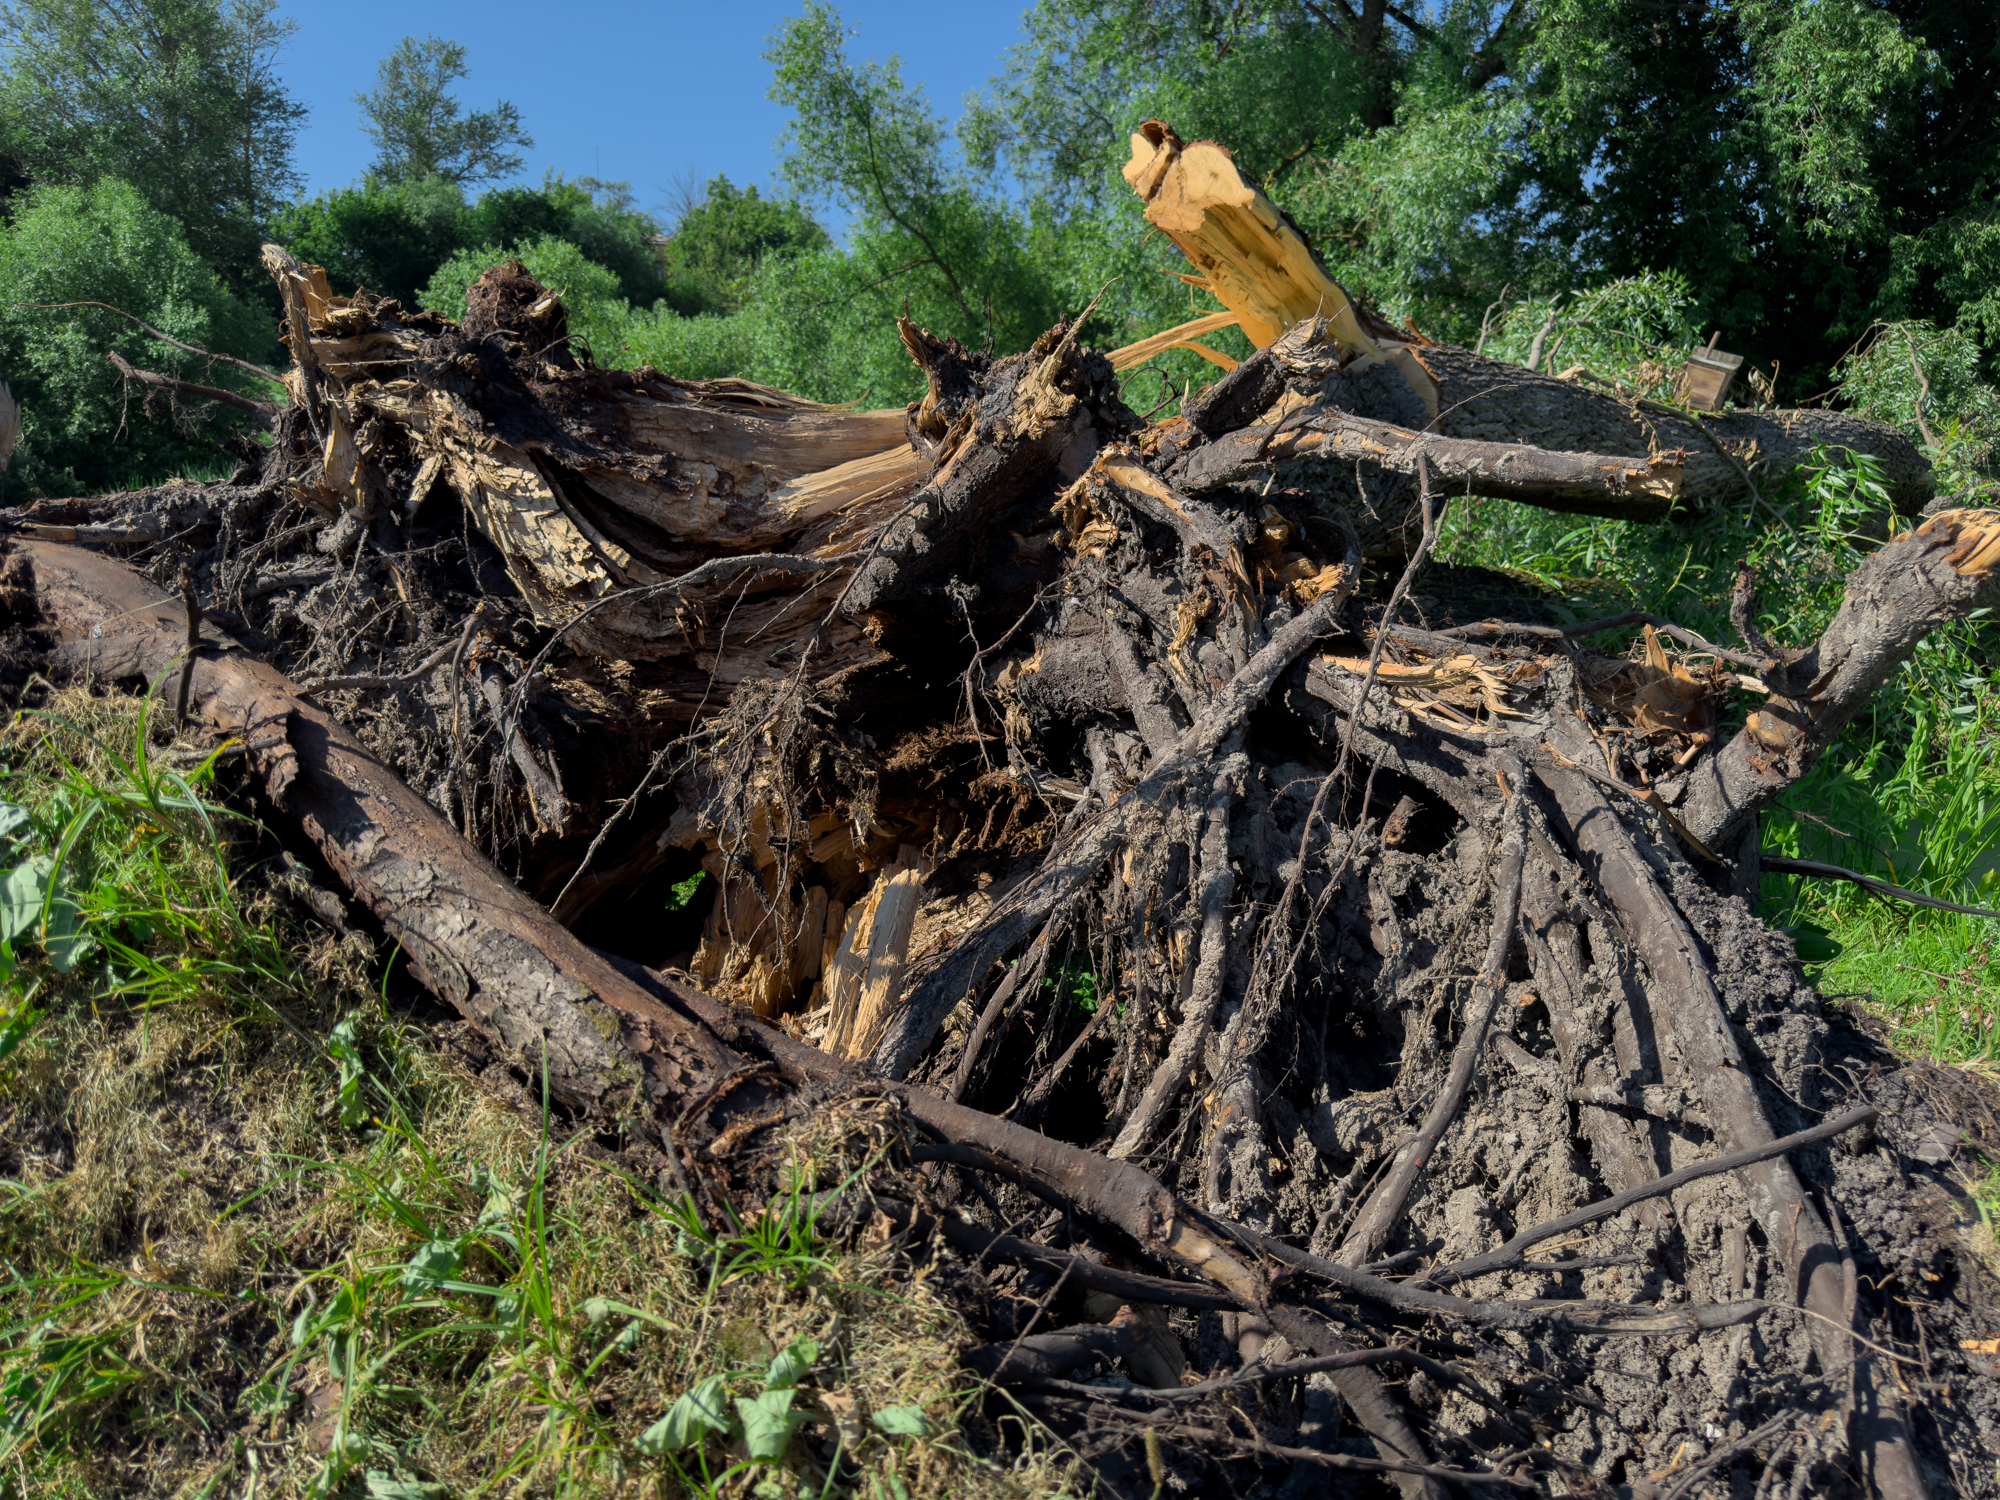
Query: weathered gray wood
[(1924, 579), (1491, 401), (1641, 488)]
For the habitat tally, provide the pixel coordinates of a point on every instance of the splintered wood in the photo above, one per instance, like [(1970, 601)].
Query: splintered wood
[(1250, 259)]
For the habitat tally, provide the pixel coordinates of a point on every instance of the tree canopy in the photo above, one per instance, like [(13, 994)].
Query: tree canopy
[(421, 130), (180, 98)]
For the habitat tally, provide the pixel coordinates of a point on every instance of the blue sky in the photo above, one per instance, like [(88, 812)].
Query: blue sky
[(643, 92)]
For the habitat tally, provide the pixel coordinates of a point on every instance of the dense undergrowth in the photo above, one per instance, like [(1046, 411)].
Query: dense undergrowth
[(260, 1236)]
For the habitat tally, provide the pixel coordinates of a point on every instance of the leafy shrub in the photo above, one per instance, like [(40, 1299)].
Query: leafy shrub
[(81, 429), (722, 241), (1904, 364), (392, 237), (705, 347), (1636, 331), (386, 237)]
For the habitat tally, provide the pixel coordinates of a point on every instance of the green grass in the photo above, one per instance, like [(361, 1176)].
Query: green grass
[(1908, 793), (258, 1236)]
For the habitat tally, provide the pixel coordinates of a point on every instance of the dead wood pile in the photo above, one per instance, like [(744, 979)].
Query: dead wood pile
[(1228, 944)]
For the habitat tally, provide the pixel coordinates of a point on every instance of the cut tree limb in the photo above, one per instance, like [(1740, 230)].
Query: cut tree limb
[(263, 413), (1925, 578)]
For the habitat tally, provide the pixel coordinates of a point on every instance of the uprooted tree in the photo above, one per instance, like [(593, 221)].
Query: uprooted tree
[(1404, 940)]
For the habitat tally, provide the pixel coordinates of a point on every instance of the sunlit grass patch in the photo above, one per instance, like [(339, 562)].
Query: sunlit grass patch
[(259, 1236)]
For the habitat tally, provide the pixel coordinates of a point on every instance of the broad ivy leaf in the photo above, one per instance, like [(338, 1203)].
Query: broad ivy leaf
[(14, 818), (432, 1264), (22, 891), (791, 1365), (903, 1421), (1815, 945), (699, 1410), (768, 1424)]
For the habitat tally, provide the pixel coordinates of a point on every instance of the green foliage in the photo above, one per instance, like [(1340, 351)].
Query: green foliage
[(389, 237), (1634, 333), (1400, 210), (930, 232), (1825, 76), (682, 892), (421, 130), (180, 98), (117, 880), (719, 244), (1928, 382), (597, 313), (81, 429), (597, 217)]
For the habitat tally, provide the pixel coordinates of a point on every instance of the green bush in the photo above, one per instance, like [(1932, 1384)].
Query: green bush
[(596, 217), (1903, 366), (386, 237), (391, 237), (705, 347), (597, 314), (721, 242), (81, 429)]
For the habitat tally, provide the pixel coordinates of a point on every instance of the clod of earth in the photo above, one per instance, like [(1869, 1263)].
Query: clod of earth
[(1067, 779)]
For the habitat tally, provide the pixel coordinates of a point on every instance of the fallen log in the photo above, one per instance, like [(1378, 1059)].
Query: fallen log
[(1642, 489), (470, 936), (1043, 782), (611, 1043)]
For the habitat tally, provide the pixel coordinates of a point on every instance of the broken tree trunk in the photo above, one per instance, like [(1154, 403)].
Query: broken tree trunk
[(1046, 758), (1253, 262)]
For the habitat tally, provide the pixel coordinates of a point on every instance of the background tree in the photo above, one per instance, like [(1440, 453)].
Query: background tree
[(928, 227), (83, 431), (722, 238), (1809, 169), (180, 98), (421, 130)]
